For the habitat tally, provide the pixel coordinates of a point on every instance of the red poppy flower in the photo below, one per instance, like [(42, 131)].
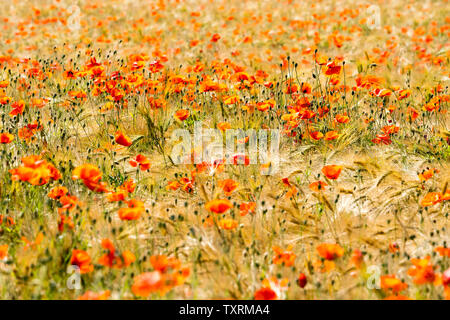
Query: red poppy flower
[(332, 171), (218, 206), (122, 139)]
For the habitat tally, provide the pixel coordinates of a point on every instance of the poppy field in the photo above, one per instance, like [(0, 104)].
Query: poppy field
[(351, 202)]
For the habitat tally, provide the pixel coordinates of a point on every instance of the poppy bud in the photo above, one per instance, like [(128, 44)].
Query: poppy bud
[(301, 281)]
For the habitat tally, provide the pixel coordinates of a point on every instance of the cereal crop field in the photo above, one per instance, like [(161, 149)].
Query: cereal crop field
[(227, 149)]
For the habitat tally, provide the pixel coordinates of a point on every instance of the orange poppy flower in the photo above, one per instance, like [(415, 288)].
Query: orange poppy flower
[(90, 295), (97, 187), (6, 137), (223, 126), (163, 263), (390, 129), (8, 221), (382, 138), (263, 106), (247, 207), (33, 244), (228, 224), (240, 158), (324, 266), (291, 87), (128, 186), (87, 172), (187, 185), (427, 174), (403, 94), (413, 114), (265, 294), (393, 247), (134, 210), (357, 258), (65, 220), (306, 88), (218, 206), (342, 118), (391, 108), (284, 257), (182, 114), (110, 259), (3, 251), (68, 203), (81, 259), (331, 135), (142, 161), (431, 199), (332, 171), (147, 283), (69, 74), (422, 271), (330, 251), (321, 59), (380, 92), (5, 100), (215, 37), (39, 102), (57, 192), (122, 139), (26, 133), (316, 135), (17, 108), (306, 114), (91, 176), (332, 68), (120, 195), (391, 283), (168, 274), (447, 292), (397, 297), (173, 185), (443, 252), (317, 186), (228, 186), (35, 171), (231, 100), (292, 192), (368, 81)]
